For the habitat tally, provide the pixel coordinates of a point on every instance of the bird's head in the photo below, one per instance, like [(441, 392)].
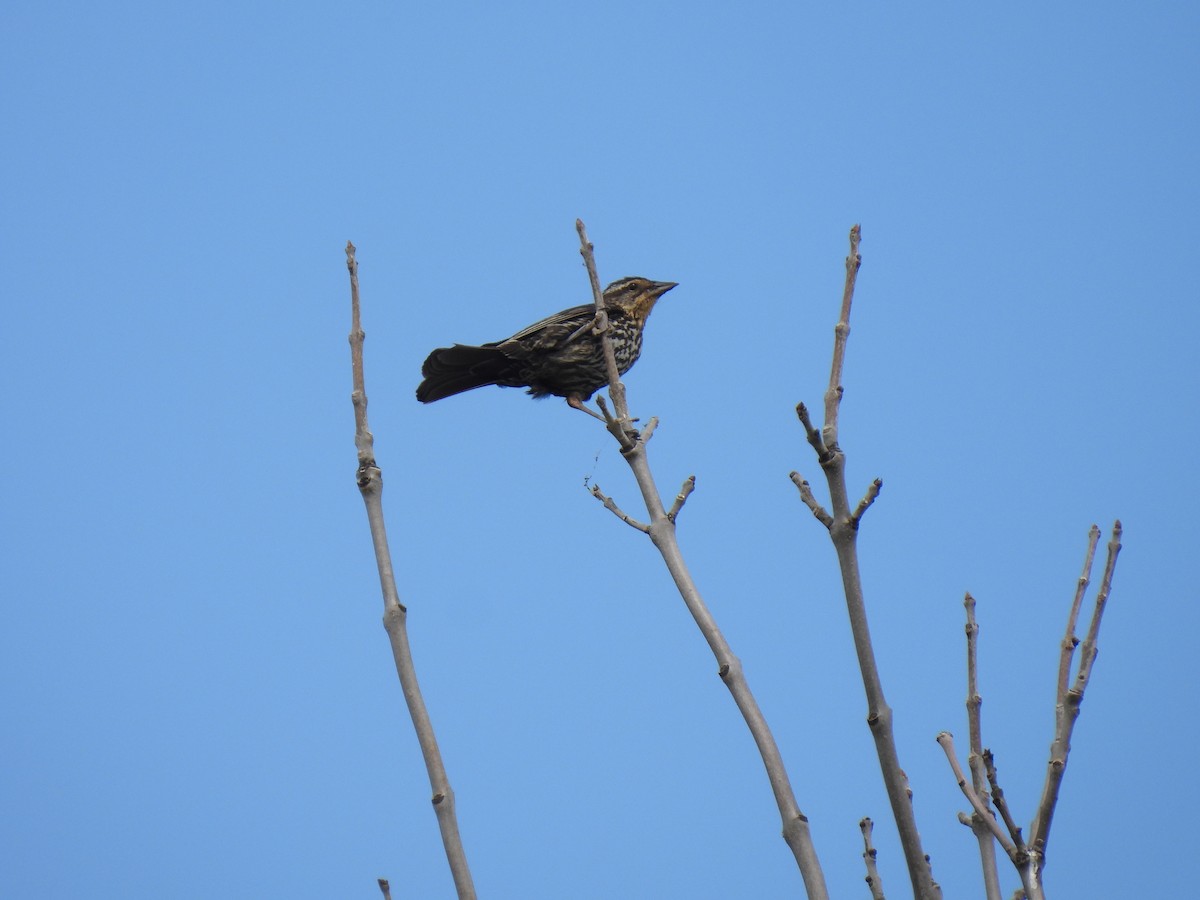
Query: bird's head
[(635, 297)]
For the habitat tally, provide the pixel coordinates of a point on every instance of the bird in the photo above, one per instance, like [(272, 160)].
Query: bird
[(559, 356)]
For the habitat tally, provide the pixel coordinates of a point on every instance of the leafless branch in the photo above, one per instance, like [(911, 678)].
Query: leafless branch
[(1067, 707), (1001, 801), (865, 503), (611, 505), (946, 741), (1070, 641), (981, 828), (689, 485), (874, 882), (811, 432), (663, 535), (385, 889), (1029, 857), (843, 531), (370, 484), (810, 499), (622, 427), (841, 334)]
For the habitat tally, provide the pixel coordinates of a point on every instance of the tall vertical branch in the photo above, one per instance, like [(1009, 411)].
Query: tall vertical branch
[(370, 484), (843, 524), (980, 823), (661, 529)]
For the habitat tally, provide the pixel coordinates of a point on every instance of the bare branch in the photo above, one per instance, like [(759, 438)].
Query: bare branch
[(865, 503), (874, 882), (811, 433), (370, 484), (841, 333), (842, 523), (689, 485), (611, 505), (1070, 641), (648, 431), (385, 888), (810, 499), (980, 828), (616, 390), (946, 741), (662, 533), (1089, 650), (364, 441), (1067, 709), (1001, 801), (974, 701)]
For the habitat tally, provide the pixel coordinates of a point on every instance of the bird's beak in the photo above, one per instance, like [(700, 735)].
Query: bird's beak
[(661, 287)]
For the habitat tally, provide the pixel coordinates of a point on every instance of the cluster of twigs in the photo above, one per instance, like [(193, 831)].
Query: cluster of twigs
[(842, 522), (1028, 856)]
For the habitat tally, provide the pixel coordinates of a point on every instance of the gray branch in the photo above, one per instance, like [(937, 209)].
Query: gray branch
[(370, 484), (842, 523), (661, 531)]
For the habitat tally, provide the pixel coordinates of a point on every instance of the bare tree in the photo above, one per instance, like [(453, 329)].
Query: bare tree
[(990, 819)]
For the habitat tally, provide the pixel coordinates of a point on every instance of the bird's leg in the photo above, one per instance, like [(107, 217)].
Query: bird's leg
[(575, 402)]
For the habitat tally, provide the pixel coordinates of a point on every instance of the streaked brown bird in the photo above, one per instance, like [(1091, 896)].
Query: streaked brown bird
[(557, 356)]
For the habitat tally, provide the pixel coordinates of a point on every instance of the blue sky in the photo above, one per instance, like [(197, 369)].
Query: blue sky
[(198, 696)]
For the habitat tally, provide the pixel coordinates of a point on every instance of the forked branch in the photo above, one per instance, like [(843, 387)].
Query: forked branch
[(842, 521), (1029, 858), (661, 529), (1068, 702)]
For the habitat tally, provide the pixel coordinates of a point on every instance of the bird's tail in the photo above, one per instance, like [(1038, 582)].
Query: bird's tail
[(452, 370)]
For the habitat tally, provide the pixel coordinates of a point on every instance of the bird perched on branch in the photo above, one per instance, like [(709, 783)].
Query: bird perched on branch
[(561, 355)]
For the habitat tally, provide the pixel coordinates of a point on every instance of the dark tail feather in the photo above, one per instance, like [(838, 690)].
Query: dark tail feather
[(452, 370)]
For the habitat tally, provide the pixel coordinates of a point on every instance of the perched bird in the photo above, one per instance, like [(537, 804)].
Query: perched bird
[(560, 355)]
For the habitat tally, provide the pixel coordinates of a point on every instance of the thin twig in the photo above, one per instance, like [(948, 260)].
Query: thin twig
[(946, 742), (874, 881), (1070, 641), (1089, 649), (811, 432), (689, 485), (841, 333), (810, 499), (611, 505), (648, 431), (385, 888), (865, 503), (1001, 801), (980, 828), (370, 484)]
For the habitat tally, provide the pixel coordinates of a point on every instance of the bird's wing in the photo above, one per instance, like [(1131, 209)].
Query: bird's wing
[(552, 332)]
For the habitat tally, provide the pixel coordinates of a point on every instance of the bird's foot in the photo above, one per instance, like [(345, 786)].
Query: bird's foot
[(575, 402)]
